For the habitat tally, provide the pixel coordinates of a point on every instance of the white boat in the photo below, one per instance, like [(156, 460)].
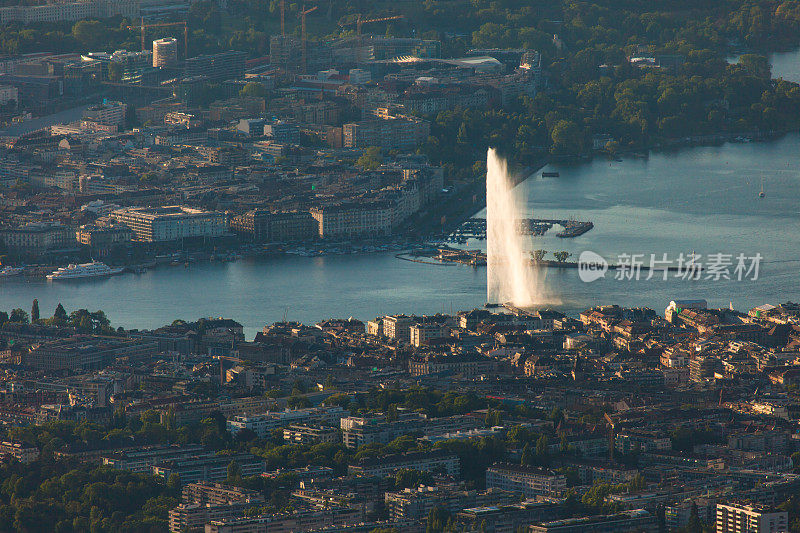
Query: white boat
[(7, 272), (95, 269)]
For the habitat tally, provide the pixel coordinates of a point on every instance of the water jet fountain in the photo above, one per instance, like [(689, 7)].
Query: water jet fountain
[(510, 276)]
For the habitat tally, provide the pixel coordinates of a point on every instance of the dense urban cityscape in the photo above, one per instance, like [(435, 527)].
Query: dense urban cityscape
[(576, 223)]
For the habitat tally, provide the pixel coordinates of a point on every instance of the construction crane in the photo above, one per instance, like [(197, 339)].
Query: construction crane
[(143, 26), (303, 32), (360, 22)]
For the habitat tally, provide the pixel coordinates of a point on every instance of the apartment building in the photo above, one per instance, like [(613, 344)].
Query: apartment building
[(435, 461), (528, 480), (353, 219), (21, 452), (388, 132), (141, 460), (310, 434), (263, 424), (85, 352), (209, 468), (170, 223), (635, 521), (748, 518), (37, 238)]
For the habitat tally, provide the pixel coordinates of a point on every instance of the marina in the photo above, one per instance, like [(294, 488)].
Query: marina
[(475, 228)]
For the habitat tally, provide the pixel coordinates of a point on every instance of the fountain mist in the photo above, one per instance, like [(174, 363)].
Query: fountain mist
[(510, 276)]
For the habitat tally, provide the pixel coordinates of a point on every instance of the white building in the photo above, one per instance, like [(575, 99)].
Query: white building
[(733, 518), (169, 223)]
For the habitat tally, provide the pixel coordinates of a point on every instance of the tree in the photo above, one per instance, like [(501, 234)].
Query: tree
[(538, 255), (567, 137), (19, 316), (253, 89), (756, 65), (695, 525), (60, 314), (114, 71), (234, 472), (371, 159), (35, 311), (3, 317)]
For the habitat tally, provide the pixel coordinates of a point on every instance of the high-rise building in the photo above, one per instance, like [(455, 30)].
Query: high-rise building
[(217, 67), (165, 53)]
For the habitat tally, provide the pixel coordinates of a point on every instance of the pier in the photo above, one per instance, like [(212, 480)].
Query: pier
[(475, 228)]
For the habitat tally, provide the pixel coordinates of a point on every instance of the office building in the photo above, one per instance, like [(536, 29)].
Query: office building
[(217, 67), (165, 53)]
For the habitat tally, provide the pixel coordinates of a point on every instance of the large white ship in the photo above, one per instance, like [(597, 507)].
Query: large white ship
[(95, 269)]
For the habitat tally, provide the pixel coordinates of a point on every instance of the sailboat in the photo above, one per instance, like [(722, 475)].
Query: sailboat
[(761, 194)]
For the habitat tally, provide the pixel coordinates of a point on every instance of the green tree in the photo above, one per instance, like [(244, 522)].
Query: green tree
[(568, 138), (756, 65), (35, 311), (60, 314), (234, 472), (19, 316), (253, 89), (371, 159)]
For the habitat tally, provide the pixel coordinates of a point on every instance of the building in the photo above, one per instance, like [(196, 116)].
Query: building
[(635, 521), (349, 220), (217, 67), (308, 434), (435, 461), (216, 494), (37, 238), (100, 237), (68, 11), (390, 132), (264, 423), (165, 53), (398, 327), (421, 334), (8, 94), (141, 460), (170, 223), (21, 452), (417, 503), (745, 518), (530, 481), (209, 468), (107, 113), (85, 352)]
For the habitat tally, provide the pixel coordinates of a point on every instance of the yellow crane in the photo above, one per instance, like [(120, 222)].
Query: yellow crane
[(143, 26), (303, 32), (359, 22)]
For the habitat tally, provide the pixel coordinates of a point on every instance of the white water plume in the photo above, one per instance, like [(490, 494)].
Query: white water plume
[(511, 278)]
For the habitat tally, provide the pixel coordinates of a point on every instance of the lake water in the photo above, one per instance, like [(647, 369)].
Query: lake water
[(702, 199)]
